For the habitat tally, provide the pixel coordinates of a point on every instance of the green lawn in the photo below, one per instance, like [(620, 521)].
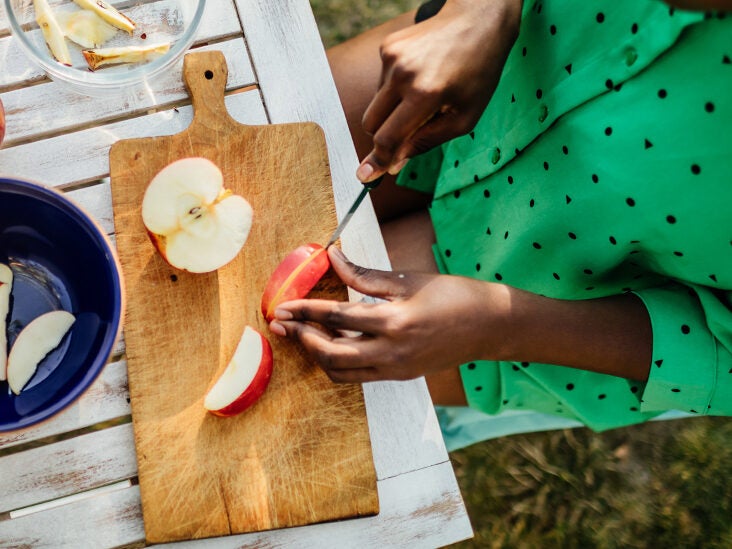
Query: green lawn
[(660, 485)]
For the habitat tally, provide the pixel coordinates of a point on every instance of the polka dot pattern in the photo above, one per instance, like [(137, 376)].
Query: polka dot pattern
[(595, 195)]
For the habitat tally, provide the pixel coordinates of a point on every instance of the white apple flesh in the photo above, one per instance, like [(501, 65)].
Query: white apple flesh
[(6, 286), (245, 378), (195, 223), (41, 336), (86, 28), (109, 13), (52, 32)]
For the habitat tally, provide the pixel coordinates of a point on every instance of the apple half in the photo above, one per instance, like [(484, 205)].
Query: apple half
[(6, 285), (294, 277), (245, 378), (194, 222), (41, 336)]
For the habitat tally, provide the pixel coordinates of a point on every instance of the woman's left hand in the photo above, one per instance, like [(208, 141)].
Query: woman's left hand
[(425, 324)]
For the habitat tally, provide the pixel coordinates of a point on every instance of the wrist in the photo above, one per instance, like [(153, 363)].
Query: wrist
[(609, 335)]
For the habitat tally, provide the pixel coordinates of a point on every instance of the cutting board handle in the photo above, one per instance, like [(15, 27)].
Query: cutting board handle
[(205, 74)]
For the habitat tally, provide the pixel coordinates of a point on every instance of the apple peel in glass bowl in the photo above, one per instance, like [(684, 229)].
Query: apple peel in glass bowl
[(192, 220)]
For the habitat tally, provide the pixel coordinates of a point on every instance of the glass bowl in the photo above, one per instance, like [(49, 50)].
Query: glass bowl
[(173, 22), (60, 259)]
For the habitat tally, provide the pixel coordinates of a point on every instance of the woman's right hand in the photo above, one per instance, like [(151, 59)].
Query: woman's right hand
[(437, 79)]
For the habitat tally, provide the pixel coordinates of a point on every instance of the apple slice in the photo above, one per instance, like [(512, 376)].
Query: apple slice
[(86, 28), (52, 32), (245, 378), (41, 336), (109, 13), (6, 285), (195, 224), (294, 277), (124, 54)]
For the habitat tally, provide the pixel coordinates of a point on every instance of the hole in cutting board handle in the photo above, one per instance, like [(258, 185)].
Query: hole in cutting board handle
[(208, 74)]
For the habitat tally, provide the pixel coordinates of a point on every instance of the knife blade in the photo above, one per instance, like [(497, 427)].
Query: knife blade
[(352, 210)]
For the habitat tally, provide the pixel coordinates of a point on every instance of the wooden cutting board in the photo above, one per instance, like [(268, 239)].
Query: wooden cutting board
[(302, 454)]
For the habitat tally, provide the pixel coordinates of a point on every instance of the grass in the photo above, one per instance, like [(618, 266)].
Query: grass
[(662, 484)]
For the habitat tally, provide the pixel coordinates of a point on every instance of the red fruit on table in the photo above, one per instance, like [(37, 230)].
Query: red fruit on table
[(294, 277)]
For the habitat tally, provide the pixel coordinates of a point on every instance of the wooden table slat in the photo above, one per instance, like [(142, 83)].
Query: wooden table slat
[(67, 467), (427, 500), (71, 159)]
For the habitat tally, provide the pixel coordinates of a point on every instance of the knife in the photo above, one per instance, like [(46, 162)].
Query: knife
[(356, 203)]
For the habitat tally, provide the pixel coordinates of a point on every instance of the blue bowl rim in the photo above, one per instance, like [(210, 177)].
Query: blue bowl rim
[(58, 199)]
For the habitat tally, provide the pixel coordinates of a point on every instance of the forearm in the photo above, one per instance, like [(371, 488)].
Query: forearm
[(610, 335)]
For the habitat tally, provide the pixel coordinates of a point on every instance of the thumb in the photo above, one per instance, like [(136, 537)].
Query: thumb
[(371, 282)]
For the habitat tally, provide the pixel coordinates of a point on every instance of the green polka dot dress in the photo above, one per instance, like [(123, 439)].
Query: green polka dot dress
[(602, 165)]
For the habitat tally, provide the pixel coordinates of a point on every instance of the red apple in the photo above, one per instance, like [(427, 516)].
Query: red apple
[(2, 122), (294, 277), (245, 378), (194, 222)]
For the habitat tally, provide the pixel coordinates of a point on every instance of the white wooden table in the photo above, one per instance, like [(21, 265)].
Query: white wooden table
[(71, 480)]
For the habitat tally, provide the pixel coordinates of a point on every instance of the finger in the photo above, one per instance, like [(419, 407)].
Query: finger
[(331, 352), (333, 315), (382, 105), (380, 284), (358, 375), (440, 129), (402, 123)]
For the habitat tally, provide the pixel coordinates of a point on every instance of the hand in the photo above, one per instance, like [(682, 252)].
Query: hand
[(437, 79), (427, 323), (430, 322)]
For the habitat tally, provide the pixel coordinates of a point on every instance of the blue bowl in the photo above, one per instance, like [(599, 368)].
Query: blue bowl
[(60, 259)]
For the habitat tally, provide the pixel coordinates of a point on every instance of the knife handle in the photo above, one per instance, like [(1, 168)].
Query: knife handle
[(373, 184)]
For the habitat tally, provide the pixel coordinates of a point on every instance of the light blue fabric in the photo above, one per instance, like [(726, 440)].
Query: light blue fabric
[(462, 426)]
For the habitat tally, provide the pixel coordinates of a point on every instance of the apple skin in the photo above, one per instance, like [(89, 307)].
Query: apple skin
[(294, 277), (256, 388), (2, 122)]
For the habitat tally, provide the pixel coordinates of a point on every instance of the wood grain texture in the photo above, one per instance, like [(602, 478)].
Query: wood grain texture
[(67, 467), (302, 454)]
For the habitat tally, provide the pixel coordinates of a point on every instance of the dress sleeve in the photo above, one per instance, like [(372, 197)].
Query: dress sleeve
[(691, 368)]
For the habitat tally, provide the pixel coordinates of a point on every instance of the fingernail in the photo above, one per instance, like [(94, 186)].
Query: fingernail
[(364, 172), (338, 253), (282, 314), (396, 168), (277, 329)]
